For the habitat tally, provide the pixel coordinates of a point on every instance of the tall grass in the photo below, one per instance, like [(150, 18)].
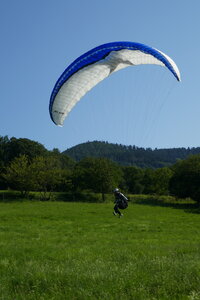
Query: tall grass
[(57, 250)]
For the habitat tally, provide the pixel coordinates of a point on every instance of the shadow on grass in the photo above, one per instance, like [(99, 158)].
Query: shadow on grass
[(188, 206)]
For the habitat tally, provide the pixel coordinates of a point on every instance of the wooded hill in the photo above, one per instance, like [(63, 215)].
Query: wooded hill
[(131, 155)]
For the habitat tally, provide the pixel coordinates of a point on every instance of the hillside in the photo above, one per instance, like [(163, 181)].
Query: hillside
[(130, 155)]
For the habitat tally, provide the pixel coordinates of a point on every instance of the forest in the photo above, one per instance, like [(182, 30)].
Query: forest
[(131, 155), (27, 166)]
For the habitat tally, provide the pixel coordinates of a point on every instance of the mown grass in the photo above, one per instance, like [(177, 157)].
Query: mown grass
[(57, 250)]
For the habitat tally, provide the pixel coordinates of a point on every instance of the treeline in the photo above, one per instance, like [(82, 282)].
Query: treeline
[(26, 166), (131, 155)]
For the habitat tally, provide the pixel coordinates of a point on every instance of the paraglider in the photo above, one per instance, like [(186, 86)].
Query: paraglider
[(121, 202), (94, 66)]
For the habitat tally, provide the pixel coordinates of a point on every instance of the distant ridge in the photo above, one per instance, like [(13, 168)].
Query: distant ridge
[(130, 155)]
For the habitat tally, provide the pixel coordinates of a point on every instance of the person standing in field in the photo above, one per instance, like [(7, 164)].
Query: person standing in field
[(121, 202)]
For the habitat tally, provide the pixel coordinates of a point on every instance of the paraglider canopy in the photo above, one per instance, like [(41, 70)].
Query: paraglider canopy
[(94, 66)]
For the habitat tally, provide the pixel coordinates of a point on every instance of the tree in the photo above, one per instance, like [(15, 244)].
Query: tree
[(133, 177), (3, 150), (48, 175), (42, 174), (66, 162), (185, 181), (105, 176), (157, 181), (162, 178), (19, 175), (97, 174), (148, 181), (22, 146)]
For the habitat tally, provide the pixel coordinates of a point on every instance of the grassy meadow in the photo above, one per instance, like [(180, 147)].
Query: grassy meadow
[(60, 250)]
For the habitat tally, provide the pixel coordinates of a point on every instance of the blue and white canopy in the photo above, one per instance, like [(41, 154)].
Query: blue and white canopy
[(94, 66)]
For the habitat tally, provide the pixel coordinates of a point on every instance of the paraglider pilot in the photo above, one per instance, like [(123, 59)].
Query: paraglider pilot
[(121, 202)]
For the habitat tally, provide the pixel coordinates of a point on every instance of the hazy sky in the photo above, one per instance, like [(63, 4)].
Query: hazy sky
[(143, 106)]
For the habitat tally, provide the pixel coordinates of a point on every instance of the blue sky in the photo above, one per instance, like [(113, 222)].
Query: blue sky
[(143, 106)]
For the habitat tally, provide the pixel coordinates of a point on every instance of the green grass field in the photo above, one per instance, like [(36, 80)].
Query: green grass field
[(57, 250)]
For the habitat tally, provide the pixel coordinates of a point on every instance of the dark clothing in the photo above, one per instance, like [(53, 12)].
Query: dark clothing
[(121, 202), (116, 210)]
